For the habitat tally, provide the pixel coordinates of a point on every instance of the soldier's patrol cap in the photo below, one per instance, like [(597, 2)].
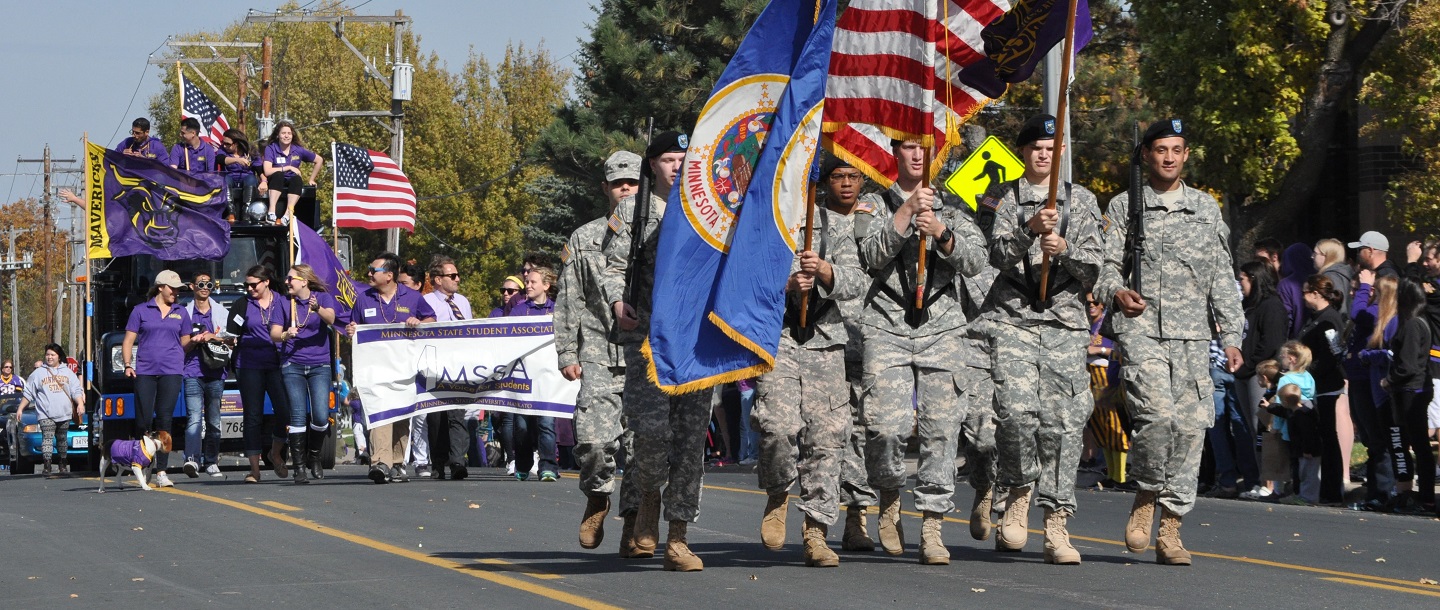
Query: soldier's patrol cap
[(1036, 128), (1165, 128), (667, 142), (623, 165)]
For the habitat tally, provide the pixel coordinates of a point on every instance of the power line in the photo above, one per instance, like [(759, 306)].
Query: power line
[(137, 90), (513, 170)]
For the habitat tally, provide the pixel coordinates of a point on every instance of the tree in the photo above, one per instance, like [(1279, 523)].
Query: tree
[(461, 130), (1264, 84), (28, 215), (1406, 92)]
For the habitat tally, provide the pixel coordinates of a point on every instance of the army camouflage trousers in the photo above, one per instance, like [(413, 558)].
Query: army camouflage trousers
[(601, 433), (1042, 391), (977, 431), (803, 414), (669, 438), (854, 481), (910, 385), (1169, 393)]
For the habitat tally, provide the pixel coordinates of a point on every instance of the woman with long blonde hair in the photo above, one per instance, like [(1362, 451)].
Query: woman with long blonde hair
[(1373, 313)]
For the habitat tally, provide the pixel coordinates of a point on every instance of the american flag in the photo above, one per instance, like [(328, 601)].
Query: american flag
[(197, 105), (370, 190), (895, 71)]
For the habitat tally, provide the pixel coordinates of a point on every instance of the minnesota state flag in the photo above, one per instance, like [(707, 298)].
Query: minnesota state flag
[(722, 265)]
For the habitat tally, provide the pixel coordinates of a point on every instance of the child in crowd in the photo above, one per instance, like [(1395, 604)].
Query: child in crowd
[(1296, 408), (1274, 446)]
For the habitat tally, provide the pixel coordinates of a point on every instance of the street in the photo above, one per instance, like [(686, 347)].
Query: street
[(496, 542)]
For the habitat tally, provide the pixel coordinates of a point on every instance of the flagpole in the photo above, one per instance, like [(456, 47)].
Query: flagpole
[(920, 264), (1062, 109), (809, 241), (180, 88), (89, 302)]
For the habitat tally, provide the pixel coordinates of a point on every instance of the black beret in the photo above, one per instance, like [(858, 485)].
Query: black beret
[(1038, 127), (830, 164), (667, 142), (1167, 128)]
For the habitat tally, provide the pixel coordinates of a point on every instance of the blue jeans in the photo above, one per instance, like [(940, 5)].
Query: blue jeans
[(749, 437), (534, 433), (1231, 439), (202, 410), (307, 385)]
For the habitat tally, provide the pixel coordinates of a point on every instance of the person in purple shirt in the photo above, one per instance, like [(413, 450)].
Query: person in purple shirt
[(533, 432), (282, 160), (304, 334), (1296, 264), (204, 386), (257, 369), (140, 144), (193, 155), (161, 331), (387, 302), (241, 168)]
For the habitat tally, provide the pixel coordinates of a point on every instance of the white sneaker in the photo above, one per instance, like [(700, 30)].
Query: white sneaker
[(510, 468), (192, 469), (1259, 492), (535, 465), (214, 471), (163, 480)]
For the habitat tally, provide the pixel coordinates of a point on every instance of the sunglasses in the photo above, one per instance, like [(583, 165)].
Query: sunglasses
[(379, 270), (453, 276), (509, 290), (292, 278), (205, 285), (252, 285)]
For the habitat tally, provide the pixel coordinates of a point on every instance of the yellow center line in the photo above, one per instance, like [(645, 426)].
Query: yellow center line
[(499, 579), (1343, 576), (1377, 585), (522, 569), (274, 504)]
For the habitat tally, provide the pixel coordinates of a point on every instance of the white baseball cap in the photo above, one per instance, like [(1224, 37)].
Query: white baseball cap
[(1374, 240)]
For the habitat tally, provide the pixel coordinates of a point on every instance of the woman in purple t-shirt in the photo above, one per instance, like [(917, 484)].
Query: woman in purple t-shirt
[(532, 433), (304, 334), (282, 160), (257, 369), (161, 331)]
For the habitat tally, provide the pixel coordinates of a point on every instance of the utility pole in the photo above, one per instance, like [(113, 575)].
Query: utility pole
[(49, 228), (402, 71), (13, 266), (241, 65)]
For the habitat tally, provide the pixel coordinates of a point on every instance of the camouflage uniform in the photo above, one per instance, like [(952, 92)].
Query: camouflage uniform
[(801, 407), (1041, 383), (1189, 281), (977, 386), (907, 364), (582, 319), (854, 482), (669, 430)]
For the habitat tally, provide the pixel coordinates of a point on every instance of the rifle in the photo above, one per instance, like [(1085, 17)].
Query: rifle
[(637, 229), (1135, 224)]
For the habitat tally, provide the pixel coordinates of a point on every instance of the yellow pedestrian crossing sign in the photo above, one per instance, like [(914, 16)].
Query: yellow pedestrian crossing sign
[(989, 165)]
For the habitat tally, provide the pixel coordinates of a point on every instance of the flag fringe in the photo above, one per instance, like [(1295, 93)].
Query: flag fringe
[(713, 380)]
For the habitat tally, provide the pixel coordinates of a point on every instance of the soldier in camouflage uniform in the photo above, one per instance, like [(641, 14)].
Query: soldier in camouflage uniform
[(1042, 387), (912, 354), (669, 430), (582, 319), (977, 397), (1165, 332), (801, 407)]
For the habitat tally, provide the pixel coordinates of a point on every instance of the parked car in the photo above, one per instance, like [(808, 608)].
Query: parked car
[(23, 438)]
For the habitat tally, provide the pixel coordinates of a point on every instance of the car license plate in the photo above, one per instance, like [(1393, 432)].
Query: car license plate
[(232, 427), (80, 442)]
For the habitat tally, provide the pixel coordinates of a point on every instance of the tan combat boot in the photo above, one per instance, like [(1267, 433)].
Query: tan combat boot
[(817, 553), (892, 534), (772, 525), (932, 548), (1142, 518), (1013, 530), (592, 524), (627, 540), (678, 557), (980, 525), (856, 538), (1057, 540), (647, 525), (1168, 548)]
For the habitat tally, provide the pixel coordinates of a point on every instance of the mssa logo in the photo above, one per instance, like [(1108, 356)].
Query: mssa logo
[(433, 376)]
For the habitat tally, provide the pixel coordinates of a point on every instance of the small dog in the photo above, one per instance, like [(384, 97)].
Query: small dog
[(138, 456)]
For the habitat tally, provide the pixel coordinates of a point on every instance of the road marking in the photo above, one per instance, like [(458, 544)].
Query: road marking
[(522, 569), (469, 570), (1377, 585), (1342, 576), (274, 504)]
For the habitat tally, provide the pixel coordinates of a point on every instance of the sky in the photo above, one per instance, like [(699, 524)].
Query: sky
[(72, 67)]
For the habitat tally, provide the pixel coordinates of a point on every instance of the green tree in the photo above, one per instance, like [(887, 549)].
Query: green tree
[(1406, 92)]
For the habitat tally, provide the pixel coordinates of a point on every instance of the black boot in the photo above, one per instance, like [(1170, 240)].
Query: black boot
[(297, 456), (315, 442)]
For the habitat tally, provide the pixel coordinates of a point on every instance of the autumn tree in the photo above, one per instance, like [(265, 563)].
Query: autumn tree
[(1406, 93), (45, 245)]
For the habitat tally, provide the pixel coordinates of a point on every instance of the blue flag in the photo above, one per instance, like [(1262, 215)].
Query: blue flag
[(312, 250), (721, 266), (141, 206)]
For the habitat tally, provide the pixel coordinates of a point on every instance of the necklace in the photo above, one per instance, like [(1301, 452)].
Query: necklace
[(264, 313), (389, 317), (304, 304)]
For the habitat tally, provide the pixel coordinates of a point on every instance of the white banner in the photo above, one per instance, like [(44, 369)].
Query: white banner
[(501, 364)]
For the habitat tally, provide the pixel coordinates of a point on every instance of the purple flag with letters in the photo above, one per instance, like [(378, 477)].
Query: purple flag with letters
[(141, 206), (312, 250), (1017, 42)]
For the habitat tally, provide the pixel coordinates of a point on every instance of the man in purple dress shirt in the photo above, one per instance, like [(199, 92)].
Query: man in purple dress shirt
[(387, 302), (140, 144)]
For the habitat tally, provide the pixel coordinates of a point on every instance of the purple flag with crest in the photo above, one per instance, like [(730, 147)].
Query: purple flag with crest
[(312, 250), (141, 206), (1017, 42)]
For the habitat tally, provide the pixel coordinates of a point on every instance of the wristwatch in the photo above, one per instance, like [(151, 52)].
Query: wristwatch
[(947, 235)]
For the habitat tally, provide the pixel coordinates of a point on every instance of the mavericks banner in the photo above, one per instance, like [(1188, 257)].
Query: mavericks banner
[(141, 206), (501, 364)]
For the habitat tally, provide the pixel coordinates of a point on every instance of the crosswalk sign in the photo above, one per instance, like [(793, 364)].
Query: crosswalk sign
[(989, 165)]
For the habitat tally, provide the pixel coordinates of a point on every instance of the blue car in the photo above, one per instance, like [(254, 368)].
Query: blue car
[(22, 439)]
